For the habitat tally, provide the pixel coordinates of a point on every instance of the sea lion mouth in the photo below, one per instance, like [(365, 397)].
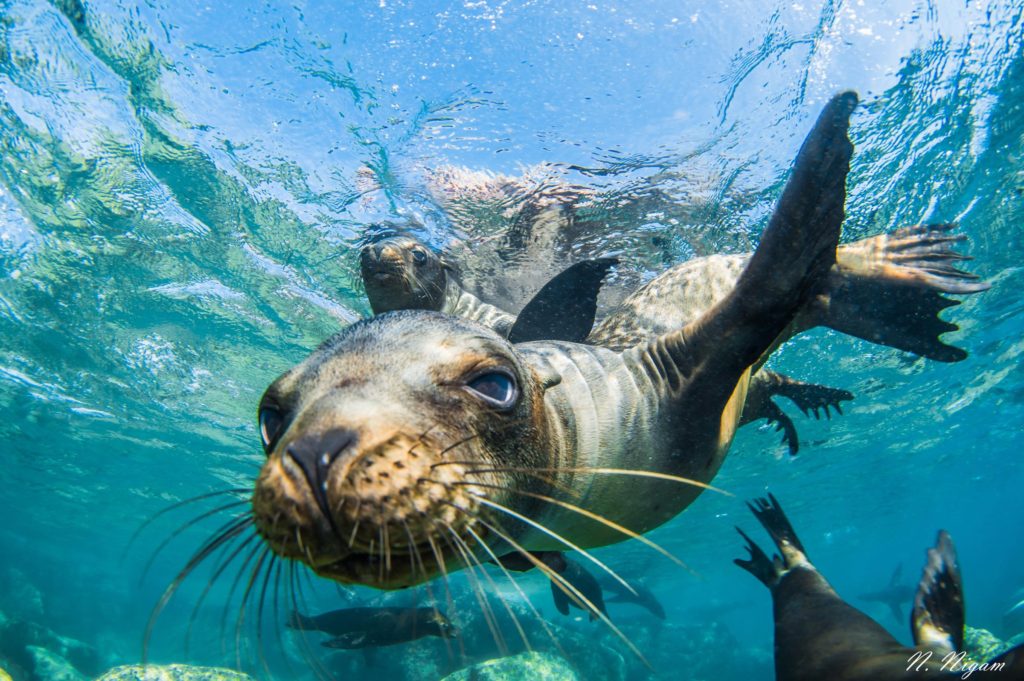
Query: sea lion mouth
[(380, 516)]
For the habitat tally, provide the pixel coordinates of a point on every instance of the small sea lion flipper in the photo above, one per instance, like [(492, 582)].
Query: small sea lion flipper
[(774, 415), (795, 255), (809, 397), (937, 620), (564, 308)]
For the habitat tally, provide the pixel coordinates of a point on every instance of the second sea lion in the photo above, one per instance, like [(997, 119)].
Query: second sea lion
[(352, 628), (820, 636)]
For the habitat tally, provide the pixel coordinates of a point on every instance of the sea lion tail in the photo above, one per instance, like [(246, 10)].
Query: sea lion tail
[(887, 289), (938, 616)]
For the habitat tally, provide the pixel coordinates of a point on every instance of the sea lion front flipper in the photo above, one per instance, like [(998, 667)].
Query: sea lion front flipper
[(937, 620), (564, 308), (795, 255), (810, 397), (774, 415)]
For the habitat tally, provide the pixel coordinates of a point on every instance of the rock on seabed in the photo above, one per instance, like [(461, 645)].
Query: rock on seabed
[(172, 672), (522, 667)]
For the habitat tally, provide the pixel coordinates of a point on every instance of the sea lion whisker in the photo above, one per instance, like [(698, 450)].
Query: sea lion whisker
[(567, 588), (589, 514), (184, 502), (249, 558), (307, 649), (386, 541), (603, 471), (441, 563), (210, 582), (417, 560), (497, 592), (556, 536), (191, 523), (522, 594), (560, 486), (502, 427), (259, 614), (481, 596), (234, 528), (355, 525)]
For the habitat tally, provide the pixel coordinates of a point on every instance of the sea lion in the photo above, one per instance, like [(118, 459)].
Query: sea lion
[(403, 273), (820, 636), (638, 594), (410, 439), (894, 594), (582, 581), (352, 628)]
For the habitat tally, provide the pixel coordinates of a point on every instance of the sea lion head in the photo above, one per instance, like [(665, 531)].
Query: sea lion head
[(382, 443), (402, 273)]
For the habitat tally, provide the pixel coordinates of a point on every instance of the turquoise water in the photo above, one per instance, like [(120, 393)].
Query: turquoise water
[(184, 188)]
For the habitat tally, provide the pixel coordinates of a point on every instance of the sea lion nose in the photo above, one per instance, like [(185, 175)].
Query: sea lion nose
[(388, 252), (314, 453)]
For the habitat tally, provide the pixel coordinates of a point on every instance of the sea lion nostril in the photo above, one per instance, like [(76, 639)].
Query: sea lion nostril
[(315, 453)]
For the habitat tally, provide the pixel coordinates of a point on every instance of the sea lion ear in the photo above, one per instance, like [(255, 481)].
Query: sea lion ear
[(546, 377)]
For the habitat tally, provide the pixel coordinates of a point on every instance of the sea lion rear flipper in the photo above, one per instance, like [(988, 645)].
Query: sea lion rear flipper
[(795, 255), (937, 620), (886, 289), (564, 308), (771, 516), (759, 564)]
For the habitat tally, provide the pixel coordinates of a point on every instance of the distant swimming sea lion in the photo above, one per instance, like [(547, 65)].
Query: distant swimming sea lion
[(820, 636), (416, 440), (352, 628)]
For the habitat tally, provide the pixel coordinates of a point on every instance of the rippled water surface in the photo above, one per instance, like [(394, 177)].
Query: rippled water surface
[(184, 188)]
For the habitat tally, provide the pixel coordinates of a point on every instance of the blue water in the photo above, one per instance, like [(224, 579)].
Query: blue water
[(184, 188)]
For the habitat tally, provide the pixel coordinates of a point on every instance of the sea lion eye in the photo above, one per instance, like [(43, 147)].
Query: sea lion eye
[(419, 256), (496, 387), (270, 426)]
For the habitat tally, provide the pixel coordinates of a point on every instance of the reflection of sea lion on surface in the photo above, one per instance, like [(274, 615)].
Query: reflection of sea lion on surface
[(412, 435), (352, 628), (819, 636)]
